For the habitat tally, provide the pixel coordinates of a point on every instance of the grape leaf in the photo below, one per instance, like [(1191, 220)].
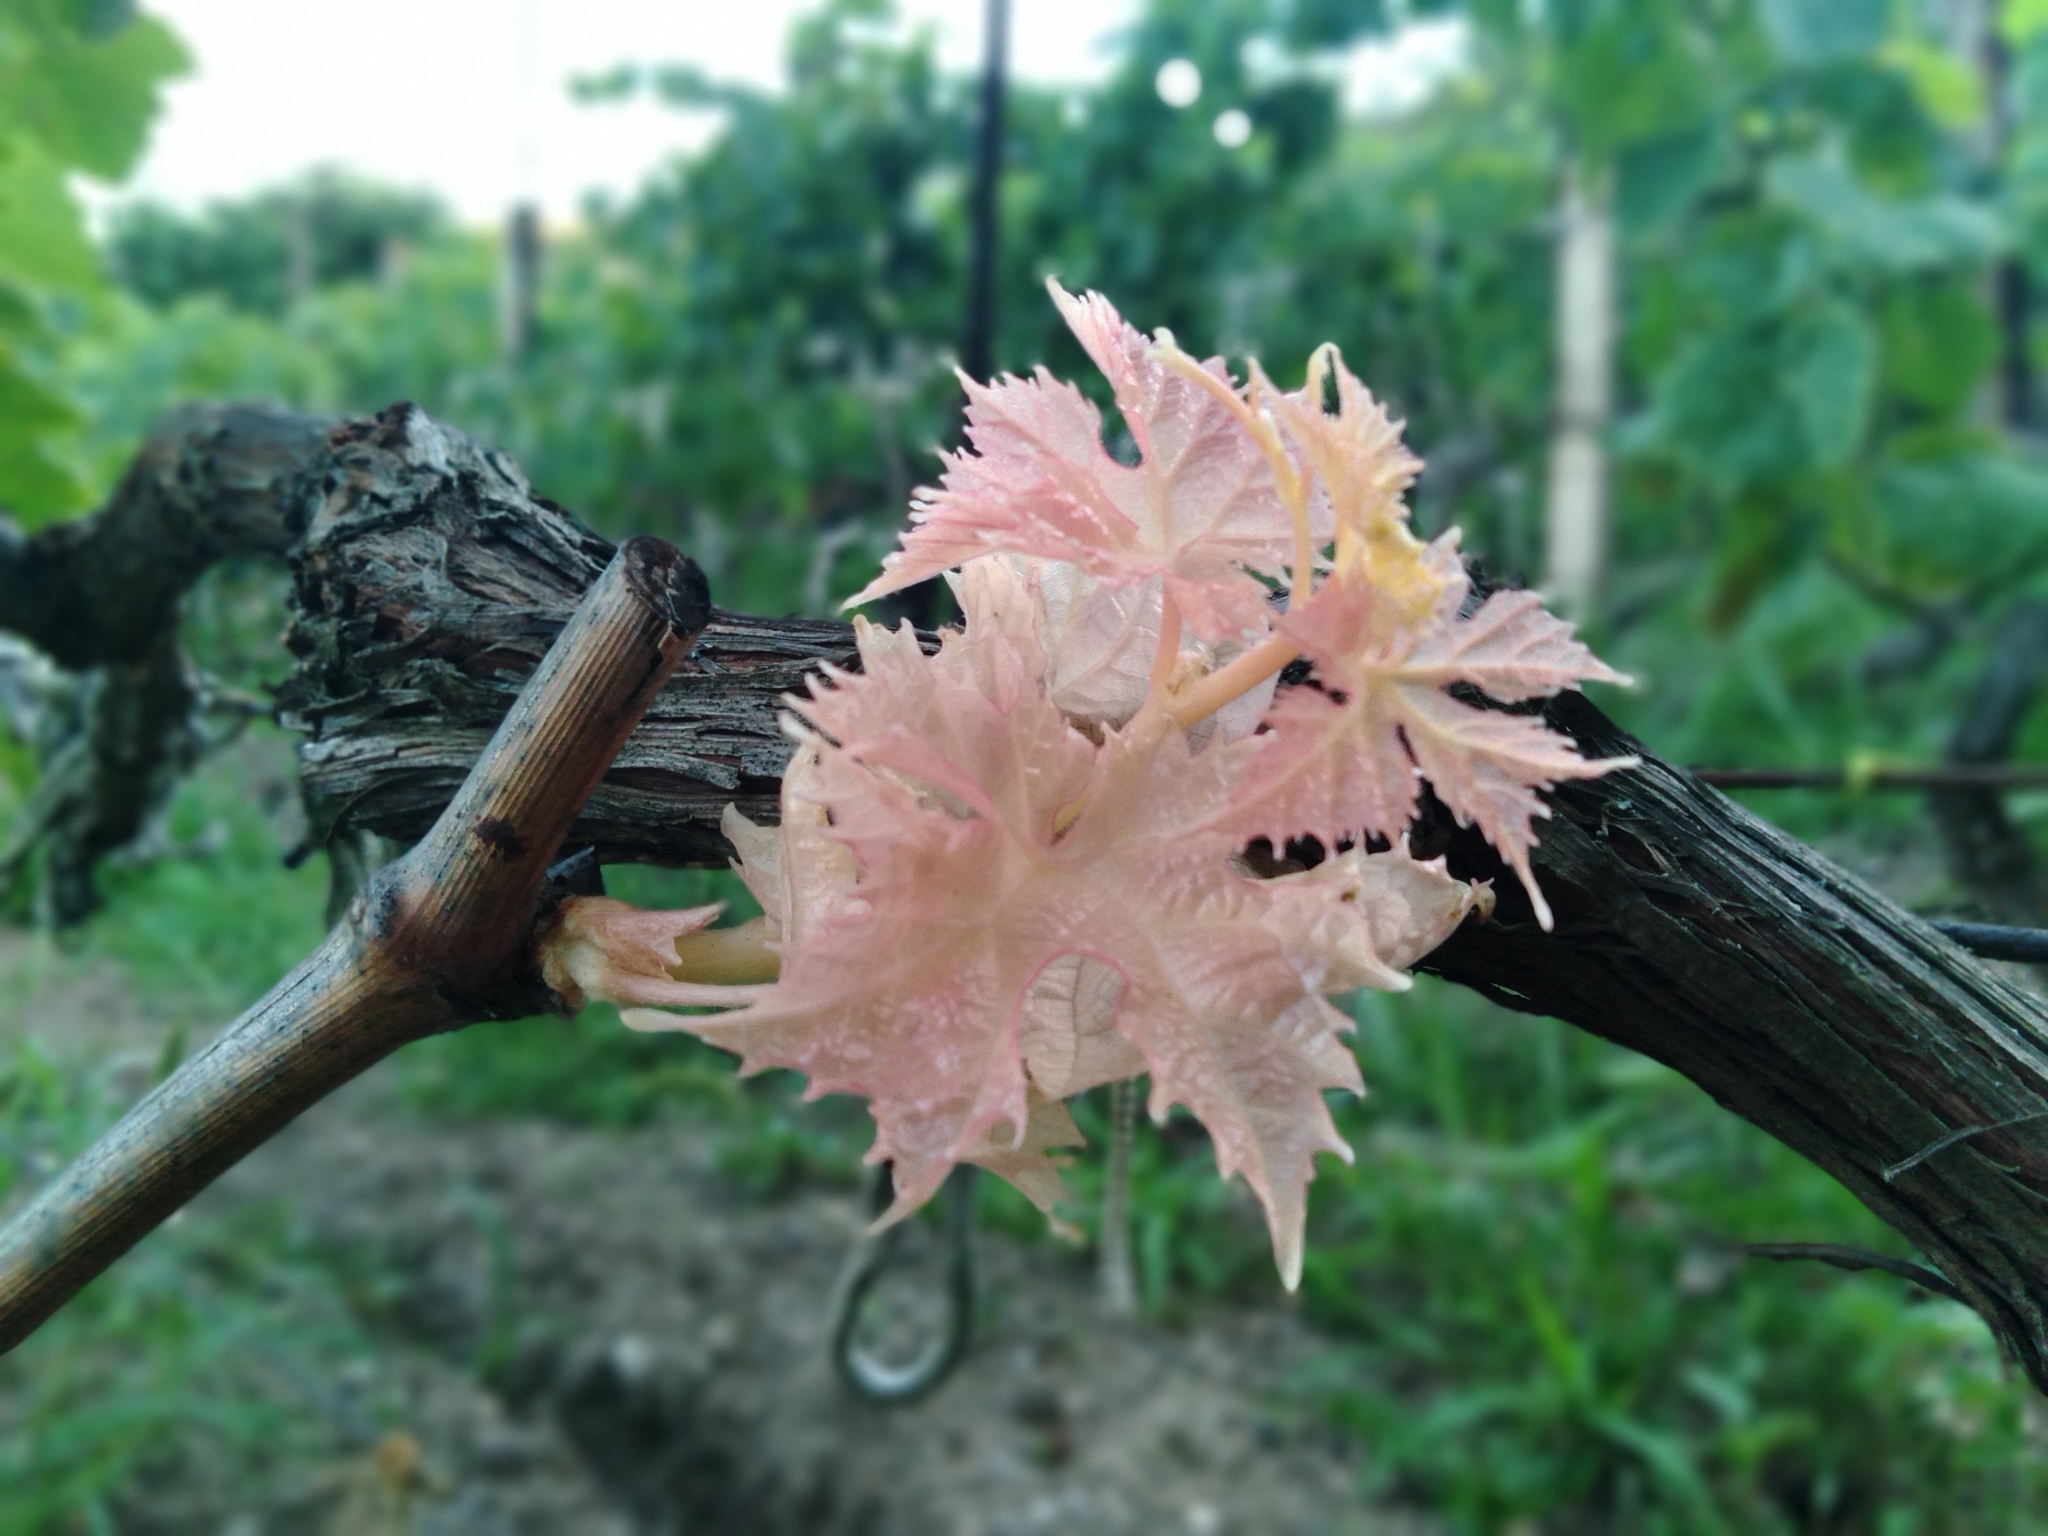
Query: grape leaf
[(1034, 913), (1356, 453), (1351, 758), (1197, 513), (1100, 643)]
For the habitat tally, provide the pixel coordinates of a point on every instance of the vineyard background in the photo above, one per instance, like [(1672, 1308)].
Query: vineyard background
[(519, 1278)]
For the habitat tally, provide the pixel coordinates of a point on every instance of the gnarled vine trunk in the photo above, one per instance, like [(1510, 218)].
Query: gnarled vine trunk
[(121, 718), (428, 582)]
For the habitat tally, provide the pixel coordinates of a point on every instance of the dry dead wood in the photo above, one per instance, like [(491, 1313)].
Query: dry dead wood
[(442, 938), (430, 581), (120, 723)]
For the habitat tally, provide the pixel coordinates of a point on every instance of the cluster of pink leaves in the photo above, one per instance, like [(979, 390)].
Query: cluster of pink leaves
[(1004, 874)]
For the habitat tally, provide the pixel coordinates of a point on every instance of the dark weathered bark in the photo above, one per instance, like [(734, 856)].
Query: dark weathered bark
[(442, 938), (100, 597), (1799, 998), (206, 486), (111, 744), (428, 582)]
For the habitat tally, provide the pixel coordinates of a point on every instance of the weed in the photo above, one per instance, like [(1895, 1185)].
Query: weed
[(193, 1349)]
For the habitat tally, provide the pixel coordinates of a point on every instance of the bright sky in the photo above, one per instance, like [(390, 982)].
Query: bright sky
[(469, 99)]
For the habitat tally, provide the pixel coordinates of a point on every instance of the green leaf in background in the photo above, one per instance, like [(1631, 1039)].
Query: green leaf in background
[(36, 483), (2021, 20), (1968, 520), (1948, 88), (1895, 235), (1780, 397), (1656, 179), (1938, 340), (2027, 83), (1718, 407), (1830, 367), (42, 237), (1332, 23), (79, 81), (1808, 32), (90, 101), (1638, 72), (1758, 539)]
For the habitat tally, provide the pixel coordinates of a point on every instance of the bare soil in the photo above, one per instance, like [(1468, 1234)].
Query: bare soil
[(588, 1331)]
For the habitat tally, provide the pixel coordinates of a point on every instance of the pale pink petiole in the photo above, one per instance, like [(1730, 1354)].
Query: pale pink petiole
[(1168, 651), (1232, 681)]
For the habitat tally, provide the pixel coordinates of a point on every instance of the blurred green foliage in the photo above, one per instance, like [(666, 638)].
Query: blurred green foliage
[(197, 1352), (191, 1359), (328, 228), (1529, 1274), (1534, 1254), (78, 87), (751, 354)]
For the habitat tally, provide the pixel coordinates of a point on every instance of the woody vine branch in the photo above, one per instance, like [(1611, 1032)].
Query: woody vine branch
[(1795, 994)]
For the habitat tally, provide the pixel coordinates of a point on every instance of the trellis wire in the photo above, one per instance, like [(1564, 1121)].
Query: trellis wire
[(1881, 776)]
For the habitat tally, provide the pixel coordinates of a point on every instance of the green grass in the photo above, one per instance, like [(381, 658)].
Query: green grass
[(189, 1348), (193, 1349), (204, 936), (1532, 1266), (1536, 1312), (1527, 1280), (592, 1070)]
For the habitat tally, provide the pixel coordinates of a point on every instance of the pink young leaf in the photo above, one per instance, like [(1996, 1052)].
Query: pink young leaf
[(1356, 455), (1100, 642), (1067, 1032), (597, 949), (1195, 514), (1032, 1162), (1352, 759), (1034, 914)]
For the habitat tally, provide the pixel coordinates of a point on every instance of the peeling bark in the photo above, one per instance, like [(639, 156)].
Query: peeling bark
[(429, 582), (100, 597)]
